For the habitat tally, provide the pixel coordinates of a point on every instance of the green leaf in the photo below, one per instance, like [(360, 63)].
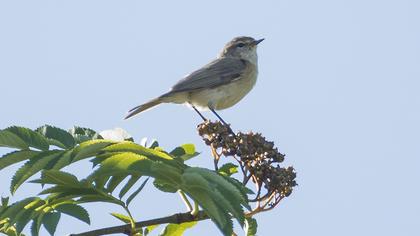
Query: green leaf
[(114, 182), (229, 192), (30, 137), (138, 149), (75, 211), (84, 134), (99, 198), (177, 229), (64, 160), (50, 221), (228, 169), (9, 230), (123, 218), (70, 190), (134, 194), (164, 186), (199, 189), (25, 214), (15, 157), (149, 229), (243, 189), (154, 144), (89, 148), (133, 179), (131, 163), (57, 137), (185, 152), (4, 201), (11, 140), (33, 166), (251, 227), (36, 225), (59, 178), (12, 210)]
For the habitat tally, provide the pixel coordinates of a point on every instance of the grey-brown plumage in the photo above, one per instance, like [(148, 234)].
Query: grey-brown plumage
[(217, 85), (221, 71)]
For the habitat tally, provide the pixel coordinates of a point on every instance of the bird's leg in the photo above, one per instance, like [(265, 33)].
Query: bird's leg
[(220, 118), (195, 109)]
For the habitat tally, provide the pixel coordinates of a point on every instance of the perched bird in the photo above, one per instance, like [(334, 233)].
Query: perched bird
[(218, 85)]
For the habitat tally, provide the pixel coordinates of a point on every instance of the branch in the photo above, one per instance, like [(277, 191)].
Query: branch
[(125, 229)]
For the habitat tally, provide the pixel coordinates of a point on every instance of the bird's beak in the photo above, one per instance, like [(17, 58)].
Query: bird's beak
[(256, 42)]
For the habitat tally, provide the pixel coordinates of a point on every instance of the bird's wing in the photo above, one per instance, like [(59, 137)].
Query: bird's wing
[(218, 72)]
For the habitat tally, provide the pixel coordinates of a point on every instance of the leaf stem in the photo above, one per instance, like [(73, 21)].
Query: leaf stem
[(196, 209), (132, 221), (185, 200)]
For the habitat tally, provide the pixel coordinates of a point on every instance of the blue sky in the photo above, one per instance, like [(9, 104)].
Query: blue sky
[(338, 92)]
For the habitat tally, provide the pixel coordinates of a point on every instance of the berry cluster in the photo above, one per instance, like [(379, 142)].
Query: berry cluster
[(257, 155)]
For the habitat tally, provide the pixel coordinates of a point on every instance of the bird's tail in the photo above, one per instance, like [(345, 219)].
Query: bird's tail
[(143, 107)]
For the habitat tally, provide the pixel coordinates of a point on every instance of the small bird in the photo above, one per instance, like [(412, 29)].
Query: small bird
[(218, 85)]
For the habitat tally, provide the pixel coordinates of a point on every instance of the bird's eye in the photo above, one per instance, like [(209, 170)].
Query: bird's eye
[(240, 45)]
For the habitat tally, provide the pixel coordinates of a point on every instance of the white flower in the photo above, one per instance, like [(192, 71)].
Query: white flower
[(116, 134)]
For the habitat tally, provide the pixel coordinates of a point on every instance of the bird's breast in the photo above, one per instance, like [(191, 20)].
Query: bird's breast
[(225, 96)]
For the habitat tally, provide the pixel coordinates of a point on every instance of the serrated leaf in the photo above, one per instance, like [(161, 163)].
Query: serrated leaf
[(177, 229), (75, 211), (154, 144), (199, 189), (228, 169), (184, 152), (138, 149), (12, 210), (164, 186), (229, 192), (9, 230), (59, 178), (251, 227), (64, 160), (11, 140), (99, 198), (15, 157), (57, 137), (114, 182), (133, 179), (50, 221), (223, 184), (25, 214), (30, 137), (4, 201), (134, 194), (243, 189), (84, 134), (134, 164), (36, 225), (122, 217), (33, 166), (70, 190), (89, 148)]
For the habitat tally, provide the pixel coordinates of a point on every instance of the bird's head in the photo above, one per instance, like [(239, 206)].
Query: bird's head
[(242, 47)]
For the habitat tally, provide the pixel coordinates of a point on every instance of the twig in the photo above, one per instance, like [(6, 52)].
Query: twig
[(124, 229), (269, 199), (246, 179), (216, 157)]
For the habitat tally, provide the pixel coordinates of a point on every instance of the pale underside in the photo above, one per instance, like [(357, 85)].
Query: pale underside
[(219, 97)]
